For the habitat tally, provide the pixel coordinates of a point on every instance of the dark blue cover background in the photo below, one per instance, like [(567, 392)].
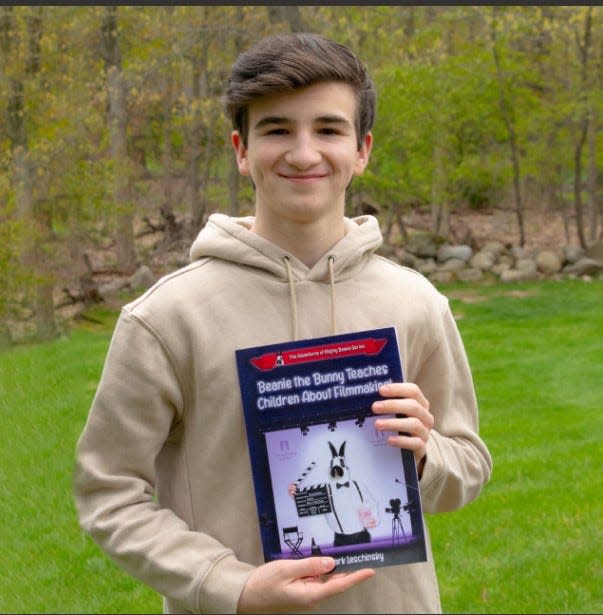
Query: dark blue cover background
[(260, 421)]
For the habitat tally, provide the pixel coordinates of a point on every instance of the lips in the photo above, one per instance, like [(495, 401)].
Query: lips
[(302, 178)]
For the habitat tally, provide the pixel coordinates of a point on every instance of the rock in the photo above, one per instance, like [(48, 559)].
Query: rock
[(448, 252), (506, 259), (453, 264), (426, 266), (405, 258), (470, 274), (584, 266), (548, 262), (484, 260), (526, 266), (422, 246), (518, 252), (572, 254), (442, 277), (494, 247), (595, 251), (112, 288), (500, 267), (142, 278)]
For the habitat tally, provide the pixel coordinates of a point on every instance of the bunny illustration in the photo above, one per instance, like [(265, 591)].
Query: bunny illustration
[(353, 509)]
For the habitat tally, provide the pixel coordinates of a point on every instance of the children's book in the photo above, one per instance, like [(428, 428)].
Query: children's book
[(326, 481)]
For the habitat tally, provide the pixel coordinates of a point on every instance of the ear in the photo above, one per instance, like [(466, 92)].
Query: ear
[(342, 450), (240, 152), (364, 153), (333, 451)]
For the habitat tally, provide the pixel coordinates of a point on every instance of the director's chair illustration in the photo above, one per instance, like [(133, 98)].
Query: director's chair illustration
[(293, 538)]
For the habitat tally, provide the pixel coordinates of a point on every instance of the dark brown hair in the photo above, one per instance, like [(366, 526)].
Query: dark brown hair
[(287, 62)]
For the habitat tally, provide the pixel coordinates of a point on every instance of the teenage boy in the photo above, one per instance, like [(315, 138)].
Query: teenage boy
[(163, 478)]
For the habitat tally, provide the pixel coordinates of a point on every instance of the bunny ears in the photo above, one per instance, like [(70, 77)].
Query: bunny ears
[(334, 452)]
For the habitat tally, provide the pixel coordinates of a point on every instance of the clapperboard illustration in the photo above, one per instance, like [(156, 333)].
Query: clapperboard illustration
[(314, 499), (325, 479)]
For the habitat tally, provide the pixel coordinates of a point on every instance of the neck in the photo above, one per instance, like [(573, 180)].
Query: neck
[(308, 242)]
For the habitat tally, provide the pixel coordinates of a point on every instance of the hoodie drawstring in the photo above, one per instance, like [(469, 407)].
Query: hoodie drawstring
[(331, 261), (293, 297)]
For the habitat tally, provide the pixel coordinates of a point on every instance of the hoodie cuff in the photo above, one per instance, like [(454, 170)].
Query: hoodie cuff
[(432, 469), (222, 585)]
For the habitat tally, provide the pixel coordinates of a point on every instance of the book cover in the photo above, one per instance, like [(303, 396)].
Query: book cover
[(326, 481)]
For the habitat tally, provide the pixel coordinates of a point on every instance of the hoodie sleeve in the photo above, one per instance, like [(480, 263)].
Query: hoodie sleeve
[(458, 463), (138, 400)]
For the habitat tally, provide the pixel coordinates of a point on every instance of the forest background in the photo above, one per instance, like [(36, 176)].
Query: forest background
[(111, 129)]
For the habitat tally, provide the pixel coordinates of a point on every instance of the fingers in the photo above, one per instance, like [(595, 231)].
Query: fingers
[(404, 398), (411, 430), (399, 391), (341, 582), (308, 566), (284, 585)]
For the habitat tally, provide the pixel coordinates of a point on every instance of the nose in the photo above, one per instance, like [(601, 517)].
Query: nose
[(303, 152)]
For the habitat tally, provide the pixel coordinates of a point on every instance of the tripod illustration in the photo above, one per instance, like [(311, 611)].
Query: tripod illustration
[(397, 527)]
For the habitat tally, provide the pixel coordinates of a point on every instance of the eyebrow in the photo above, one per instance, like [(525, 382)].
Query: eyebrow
[(279, 120)]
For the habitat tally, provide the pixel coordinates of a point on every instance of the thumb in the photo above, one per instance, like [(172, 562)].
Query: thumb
[(310, 566)]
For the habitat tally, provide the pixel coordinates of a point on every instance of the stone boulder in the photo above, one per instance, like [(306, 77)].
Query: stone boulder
[(548, 262), (448, 252)]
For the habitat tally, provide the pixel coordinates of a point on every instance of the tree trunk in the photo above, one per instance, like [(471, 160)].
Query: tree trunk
[(234, 177), (167, 208), (36, 222), (195, 130), (199, 131), (166, 149), (504, 105), (592, 178), (440, 205), (583, 128), (578, 208), (125, 250)]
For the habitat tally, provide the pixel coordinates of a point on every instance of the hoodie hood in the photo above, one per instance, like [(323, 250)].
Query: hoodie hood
[(230, 239)]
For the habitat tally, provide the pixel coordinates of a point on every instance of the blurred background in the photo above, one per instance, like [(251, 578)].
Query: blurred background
[(114, 147)]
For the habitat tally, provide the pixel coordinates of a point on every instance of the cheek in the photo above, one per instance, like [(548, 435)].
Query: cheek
[(350, 162), (261, 162)]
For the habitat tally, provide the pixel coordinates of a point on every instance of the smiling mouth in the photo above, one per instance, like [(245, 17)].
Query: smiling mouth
[(302, 178)]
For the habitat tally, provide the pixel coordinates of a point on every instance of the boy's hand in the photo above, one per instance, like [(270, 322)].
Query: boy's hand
[(284, 585), (412, 430)]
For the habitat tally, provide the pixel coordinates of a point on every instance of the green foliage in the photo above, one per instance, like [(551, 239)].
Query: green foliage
[(439, 136), (16, 279)]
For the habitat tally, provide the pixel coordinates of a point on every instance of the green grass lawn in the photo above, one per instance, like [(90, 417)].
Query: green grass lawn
[(531, 543)]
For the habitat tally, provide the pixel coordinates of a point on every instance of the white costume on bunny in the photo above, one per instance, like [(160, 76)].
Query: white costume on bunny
[(349, 500)]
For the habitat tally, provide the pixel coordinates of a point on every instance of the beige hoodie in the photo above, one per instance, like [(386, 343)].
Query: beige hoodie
[(162, 477)]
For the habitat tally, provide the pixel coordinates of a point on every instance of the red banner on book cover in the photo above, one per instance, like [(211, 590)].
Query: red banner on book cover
[(368, 346)]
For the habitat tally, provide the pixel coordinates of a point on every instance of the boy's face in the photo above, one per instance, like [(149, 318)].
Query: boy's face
[(302, 152)]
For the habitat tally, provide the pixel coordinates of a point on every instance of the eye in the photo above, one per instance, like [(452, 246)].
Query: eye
[(276, 131), (329, 131)]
